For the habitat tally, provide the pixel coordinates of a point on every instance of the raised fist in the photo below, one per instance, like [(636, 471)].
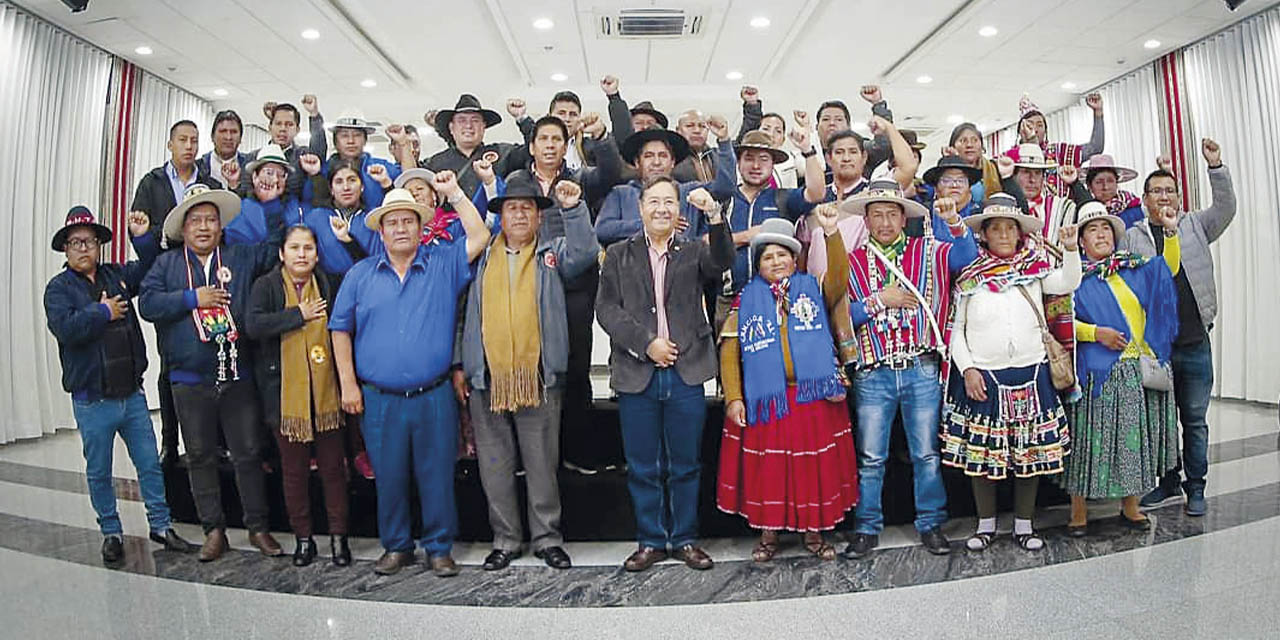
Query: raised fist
[(609, 85), (379, 175), (1068, 237), (1094, 101), (1211, 151), (871, 93), (139, 223), (267, 108), (484, 171), (341, 228), (800, 138), (827, 215), (879, 126), (309, 103), (719, 126), (749, 94), (801, 118), (397, 133), (946, 209), (702, 199), (231, 173), (593, 125), (1004, 164), (445, 183), (310, 163), (430, 118), (516, 107), (1068, 174), (568, 193)]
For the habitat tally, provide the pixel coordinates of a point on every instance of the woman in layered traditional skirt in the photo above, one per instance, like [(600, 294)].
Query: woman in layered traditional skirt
[(1003, 417), (786, 456), (1125, 429)]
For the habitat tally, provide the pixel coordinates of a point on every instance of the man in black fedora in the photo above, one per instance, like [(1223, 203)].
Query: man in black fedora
[(463, 127), (103, 357)]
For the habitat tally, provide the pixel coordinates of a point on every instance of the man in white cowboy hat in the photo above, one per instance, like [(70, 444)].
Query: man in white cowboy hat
[(1033, 129), (515, 353), (393, 326), (157, 193), (197, 298), (284, 121), (463, 127), (1197, 309), (225, 163), (103, 358), (754, 201), (899, 290), (1029, 170), (350, 135), (1102, 180), (265, 212)]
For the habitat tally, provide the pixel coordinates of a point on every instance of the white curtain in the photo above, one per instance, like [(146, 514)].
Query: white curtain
[(53, 94), (254, 137), (1131, 111), (1232, 89)]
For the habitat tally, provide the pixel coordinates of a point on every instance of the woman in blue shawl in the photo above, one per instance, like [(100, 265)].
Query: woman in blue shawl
[(786, 455), (1124, 429)]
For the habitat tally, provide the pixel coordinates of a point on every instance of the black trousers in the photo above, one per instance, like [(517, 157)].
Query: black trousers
[(231, 409), (581, 442), (168, 416)]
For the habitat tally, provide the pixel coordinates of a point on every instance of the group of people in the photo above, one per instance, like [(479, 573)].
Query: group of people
[(1018, 314)]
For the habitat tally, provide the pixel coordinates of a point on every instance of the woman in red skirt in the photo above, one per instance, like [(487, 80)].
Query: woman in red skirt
[(786, 453)]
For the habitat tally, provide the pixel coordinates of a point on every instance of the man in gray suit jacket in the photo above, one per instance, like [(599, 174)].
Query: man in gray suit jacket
[(1197, 308), (650, 304)]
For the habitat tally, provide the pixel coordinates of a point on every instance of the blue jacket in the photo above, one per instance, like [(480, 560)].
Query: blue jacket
[(337, 257), (167, 301), (620, 214), (373, 192), (558, 259), (246, 183), (77, 319), (262, 221), (745, 215)]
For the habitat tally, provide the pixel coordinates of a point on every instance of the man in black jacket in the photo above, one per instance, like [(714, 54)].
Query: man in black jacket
[(103, 356), (225, 163), (285, 121), (158, 192)]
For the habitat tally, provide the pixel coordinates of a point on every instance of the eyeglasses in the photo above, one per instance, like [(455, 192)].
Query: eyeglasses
[(953, 182), (83, 244), (1164, 191), (272, 172)]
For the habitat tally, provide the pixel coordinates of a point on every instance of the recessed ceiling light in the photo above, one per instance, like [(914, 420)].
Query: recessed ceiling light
[(310, 34), (924, 79), (955, 118), (368, 83), (542, 24), (988, 31), (1068, 86), (559, 77), (733, 75), (1152, 44), (760, 22), (143, 50), (219, 92)]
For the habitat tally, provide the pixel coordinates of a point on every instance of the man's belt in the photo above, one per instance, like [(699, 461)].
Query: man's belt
[(417, 391)]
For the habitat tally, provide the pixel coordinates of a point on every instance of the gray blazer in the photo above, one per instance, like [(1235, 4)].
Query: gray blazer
[(1196, 231), (556, 259), (626, 311)]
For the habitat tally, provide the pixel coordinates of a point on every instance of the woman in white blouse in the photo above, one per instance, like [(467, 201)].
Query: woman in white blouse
[(1003, 415)]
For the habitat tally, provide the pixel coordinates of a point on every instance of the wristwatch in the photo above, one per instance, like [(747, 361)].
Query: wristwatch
[(810, 153)]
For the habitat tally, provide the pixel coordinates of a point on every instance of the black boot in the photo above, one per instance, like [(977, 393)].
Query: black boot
[(340, 551), (305, 552)]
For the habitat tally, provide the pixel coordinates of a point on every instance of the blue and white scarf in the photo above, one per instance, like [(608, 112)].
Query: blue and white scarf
[(799, 300)]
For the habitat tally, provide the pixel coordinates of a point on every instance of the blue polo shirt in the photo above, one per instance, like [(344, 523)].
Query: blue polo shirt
[(403, 331)]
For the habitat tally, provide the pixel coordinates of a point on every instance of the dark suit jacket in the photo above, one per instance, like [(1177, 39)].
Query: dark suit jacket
[(626, 311), (154, 197)]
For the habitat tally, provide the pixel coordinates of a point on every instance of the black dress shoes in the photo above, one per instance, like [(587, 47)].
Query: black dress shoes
[(112, 550), (172, 541), (340, 551), (499, 559), (305, 552), (936, 543), (555, 557)]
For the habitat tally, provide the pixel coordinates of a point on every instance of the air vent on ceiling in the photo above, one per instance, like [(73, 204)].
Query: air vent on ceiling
[(649, 23)]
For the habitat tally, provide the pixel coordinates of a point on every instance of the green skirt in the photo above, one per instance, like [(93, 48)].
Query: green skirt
[(1123, 440)]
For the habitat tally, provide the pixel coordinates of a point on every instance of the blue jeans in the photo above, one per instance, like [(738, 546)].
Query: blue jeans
[(662, 439), (879, 393), (98, 423), (413, 440), (1192, 385)]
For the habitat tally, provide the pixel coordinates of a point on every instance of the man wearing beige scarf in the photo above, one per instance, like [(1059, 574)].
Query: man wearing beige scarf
[(515, 350)]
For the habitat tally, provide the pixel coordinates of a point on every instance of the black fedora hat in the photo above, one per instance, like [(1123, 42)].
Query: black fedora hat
[(80, 216), (636, 141), (467, 103), (646, 107), (520, 190), (952, 162)]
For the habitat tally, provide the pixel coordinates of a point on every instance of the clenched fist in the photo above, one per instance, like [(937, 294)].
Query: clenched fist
[(593, 125), (139, 223), (609, 85), (379, 174), (749, 94), (309, 103), (310, 163), (568, 193), (516, 107)]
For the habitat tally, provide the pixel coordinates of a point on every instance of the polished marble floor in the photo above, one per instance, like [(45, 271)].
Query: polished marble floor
[(1217, 576)]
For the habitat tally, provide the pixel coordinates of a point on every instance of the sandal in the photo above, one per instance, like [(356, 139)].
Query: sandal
[(820, 548), (980, 541), (764, 551), (1025, 541)]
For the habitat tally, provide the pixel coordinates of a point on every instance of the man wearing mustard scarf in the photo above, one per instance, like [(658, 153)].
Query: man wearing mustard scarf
[(515, 351)]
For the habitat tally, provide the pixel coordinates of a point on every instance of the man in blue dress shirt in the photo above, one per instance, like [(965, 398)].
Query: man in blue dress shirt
[(393, 333)]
